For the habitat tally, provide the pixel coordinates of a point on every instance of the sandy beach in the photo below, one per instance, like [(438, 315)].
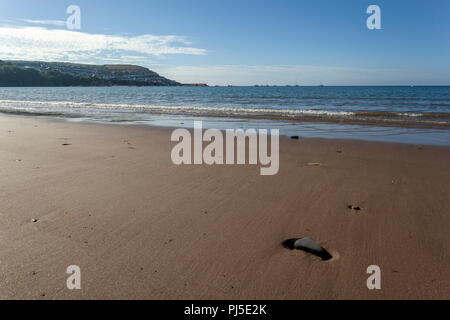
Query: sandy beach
[(108, 199)]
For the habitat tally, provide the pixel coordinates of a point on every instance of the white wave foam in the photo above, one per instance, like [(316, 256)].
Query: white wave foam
[(62, 106), (69, 107)]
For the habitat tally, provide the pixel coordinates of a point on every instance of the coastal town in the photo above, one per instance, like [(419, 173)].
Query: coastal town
[(120, 72)]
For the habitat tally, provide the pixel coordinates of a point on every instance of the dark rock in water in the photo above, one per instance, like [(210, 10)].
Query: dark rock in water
[(354, 207), (295, 137), (307, 245)]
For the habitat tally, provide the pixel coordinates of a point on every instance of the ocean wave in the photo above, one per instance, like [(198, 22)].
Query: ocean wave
[(401, 114), (69, 108)]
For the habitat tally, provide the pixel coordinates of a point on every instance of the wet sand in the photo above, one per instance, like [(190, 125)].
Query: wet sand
[(108, 199)]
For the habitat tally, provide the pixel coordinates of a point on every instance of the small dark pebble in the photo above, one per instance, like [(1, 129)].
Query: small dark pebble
[(295, 137), (66, 144)]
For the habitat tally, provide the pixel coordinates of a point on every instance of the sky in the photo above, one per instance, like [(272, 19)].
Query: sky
[(243, 42)]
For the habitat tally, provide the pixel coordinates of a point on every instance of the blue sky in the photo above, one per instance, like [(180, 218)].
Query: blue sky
[(242, 42)]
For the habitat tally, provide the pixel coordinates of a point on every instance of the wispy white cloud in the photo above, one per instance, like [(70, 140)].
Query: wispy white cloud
[(58, 23), (39, 43)]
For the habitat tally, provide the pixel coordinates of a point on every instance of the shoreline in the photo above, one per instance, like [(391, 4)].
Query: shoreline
[(109, 199), (358, 132), (365, 118)]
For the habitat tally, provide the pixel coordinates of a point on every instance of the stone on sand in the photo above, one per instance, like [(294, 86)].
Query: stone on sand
[(307, 243)]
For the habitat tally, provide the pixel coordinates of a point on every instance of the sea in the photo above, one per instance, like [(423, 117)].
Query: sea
[(416, 115)]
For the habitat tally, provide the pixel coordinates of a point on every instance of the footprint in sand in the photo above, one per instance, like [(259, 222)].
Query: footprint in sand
[(130, 144)]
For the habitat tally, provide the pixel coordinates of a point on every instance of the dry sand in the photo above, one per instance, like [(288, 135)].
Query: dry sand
[(140, 227)]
